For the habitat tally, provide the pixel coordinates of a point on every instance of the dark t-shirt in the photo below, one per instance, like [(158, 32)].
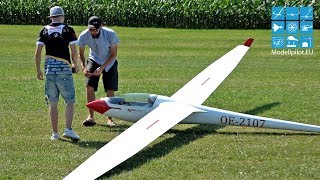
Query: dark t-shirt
[(56, 37)]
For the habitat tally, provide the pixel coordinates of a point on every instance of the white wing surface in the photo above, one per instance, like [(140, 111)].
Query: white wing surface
[(131, 141), (200, 87)]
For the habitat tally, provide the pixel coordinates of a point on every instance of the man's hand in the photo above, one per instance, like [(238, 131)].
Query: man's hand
[(86, 72), (75, 68), (98, 71), (39, 75)]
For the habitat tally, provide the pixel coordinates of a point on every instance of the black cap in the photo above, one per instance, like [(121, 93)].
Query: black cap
[(94, 21)]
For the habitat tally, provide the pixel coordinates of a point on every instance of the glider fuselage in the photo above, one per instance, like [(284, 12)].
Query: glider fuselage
[(134, 111)]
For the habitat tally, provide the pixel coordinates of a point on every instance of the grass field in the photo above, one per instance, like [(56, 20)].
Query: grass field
[(161, 61)]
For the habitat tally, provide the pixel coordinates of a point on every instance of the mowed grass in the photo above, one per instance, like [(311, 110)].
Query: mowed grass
[(161, 61)]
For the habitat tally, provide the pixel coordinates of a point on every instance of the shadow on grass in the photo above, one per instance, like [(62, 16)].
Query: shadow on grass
[(117, 128), (99, 144), (181, 138), (89, 144), (272, 133), (262, 108)]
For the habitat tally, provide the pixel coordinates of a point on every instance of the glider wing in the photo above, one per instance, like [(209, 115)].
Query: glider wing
[(131, 141), (200, 87)]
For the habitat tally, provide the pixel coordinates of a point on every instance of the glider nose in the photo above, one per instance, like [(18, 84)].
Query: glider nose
[(98, 105)]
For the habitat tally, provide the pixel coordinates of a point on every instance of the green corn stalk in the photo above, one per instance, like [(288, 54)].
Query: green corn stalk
[(195, 14)]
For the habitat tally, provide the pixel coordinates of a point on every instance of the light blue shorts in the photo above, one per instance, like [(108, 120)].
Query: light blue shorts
[(60, 84)]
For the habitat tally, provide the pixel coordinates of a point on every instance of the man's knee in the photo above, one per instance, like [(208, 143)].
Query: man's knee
[(53, 104), (90, 89), (70, 105), (110, 93)]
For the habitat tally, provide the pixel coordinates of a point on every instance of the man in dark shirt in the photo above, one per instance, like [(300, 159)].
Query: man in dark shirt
[(57, 37)]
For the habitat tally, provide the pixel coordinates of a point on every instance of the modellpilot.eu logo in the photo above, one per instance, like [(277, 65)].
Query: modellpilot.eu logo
[(292, 27)]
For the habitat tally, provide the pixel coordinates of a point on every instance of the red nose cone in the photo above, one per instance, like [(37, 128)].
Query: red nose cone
[(99, 106)]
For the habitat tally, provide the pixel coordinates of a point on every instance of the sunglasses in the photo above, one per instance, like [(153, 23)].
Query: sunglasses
[(93, 30)]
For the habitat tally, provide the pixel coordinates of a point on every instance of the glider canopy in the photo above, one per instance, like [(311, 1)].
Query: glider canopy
[(134, 99)]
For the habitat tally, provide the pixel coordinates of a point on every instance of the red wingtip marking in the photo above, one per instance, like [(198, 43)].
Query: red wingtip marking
[(248, 42), (98, 105)]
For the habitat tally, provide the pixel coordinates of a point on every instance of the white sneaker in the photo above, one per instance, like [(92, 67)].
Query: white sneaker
[(55, 136), (68, 133)]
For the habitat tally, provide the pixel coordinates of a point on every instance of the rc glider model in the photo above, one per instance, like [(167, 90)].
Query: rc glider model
[(156, 114)]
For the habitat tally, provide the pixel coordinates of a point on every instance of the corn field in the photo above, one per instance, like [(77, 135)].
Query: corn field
[(192, 14)]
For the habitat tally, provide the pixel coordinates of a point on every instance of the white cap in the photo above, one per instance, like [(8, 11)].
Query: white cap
[(56, 11)]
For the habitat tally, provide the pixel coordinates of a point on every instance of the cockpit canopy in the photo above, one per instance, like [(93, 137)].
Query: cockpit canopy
[(134, 99)]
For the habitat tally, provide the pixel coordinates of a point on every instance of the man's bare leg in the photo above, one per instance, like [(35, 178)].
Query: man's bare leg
[(53, 109), (69, 112), (90, 97), (110, 93)]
